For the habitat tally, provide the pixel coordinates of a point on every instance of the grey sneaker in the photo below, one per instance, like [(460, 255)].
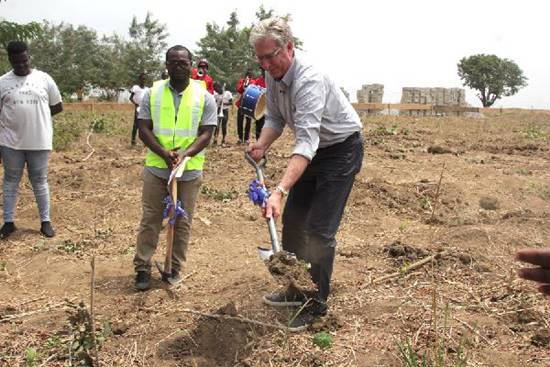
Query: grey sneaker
[(302, 321), (307, 316), (284, 299), (143, 280)]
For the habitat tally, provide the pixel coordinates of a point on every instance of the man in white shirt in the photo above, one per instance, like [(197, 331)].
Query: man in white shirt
[(28, 100), (136, 95), (224, 99)]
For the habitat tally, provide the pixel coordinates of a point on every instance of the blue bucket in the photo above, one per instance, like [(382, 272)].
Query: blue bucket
[(253, 102)]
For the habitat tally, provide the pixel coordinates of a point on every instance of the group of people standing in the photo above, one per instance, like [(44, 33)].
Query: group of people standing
[(223, 98), (177, 118)]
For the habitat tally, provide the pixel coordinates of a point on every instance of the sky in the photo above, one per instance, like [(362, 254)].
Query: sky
[(398, 43)]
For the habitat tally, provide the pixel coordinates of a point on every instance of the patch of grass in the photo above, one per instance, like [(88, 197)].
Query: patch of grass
[(219, 195), (66, 129), (40, 245), (3, 265), (533, 132), (31, 356), (69, 246), (545, 192), (323, 340)]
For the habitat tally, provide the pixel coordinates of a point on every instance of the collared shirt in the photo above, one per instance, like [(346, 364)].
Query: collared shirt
[(313, 106), (209, 117)]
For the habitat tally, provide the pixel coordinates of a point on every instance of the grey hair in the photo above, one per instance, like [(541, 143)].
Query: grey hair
[(275, 28)]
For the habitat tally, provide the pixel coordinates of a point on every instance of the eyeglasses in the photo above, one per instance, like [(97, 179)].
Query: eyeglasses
[(269, 56), (182, 63)]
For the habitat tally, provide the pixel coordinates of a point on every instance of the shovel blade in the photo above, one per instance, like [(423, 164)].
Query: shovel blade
[(265, 254)]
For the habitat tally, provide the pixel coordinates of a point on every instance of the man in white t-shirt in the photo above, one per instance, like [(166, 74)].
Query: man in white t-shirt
[(136, 95), (224, 99), (28, 100)]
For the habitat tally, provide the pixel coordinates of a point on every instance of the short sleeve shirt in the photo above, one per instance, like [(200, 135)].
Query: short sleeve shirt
[(25, 116), (209, 118)]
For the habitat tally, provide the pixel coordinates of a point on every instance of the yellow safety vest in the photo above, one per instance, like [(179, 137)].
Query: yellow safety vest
[(174, 133)]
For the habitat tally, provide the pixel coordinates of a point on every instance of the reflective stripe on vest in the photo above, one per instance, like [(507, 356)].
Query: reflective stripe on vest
[(174, 133)]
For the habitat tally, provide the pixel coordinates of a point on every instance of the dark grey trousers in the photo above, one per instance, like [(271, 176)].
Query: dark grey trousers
[(315, 206)]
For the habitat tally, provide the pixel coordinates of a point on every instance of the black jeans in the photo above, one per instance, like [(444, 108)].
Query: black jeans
[(135, 127), (315, 206), (259, 126), (243, 135)]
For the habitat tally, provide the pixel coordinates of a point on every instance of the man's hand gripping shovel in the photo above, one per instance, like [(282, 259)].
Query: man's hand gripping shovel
[(166, 272), (265, 254)]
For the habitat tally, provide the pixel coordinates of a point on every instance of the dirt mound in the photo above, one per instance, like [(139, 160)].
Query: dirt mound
[(402, 252), (290, 272), (213, 342), (419, 198)]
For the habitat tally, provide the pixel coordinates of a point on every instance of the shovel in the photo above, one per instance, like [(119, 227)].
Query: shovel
[(265, 254), (166, 272)]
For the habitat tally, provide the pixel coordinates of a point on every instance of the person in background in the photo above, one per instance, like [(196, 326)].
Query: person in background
[(541, 273), (243, 132), (28, 100), (224, 99), (260, 82), (136, 95), (176, 120), (201, 73), (319, 176)]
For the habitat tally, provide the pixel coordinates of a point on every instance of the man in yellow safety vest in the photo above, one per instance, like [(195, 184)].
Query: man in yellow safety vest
[(176, 119)]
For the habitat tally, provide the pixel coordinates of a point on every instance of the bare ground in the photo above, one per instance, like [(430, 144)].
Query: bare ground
[(493, 198)]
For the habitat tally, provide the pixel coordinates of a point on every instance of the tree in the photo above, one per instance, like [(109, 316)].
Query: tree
[(145, 51), (491, 76), (70, 55), (227, 49), (10, 31)]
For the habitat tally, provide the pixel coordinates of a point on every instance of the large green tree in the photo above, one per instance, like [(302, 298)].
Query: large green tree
[(227, 49), (10, 31), (145, 50), (70, 55), (491, 76)]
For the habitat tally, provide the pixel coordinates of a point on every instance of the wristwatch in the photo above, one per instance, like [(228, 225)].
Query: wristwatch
[(281, 190)]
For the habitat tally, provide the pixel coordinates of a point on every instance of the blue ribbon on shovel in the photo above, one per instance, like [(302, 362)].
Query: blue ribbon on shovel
[(257, 193), (179, 211)]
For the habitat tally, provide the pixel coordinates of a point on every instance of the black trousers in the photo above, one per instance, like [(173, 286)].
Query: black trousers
[(315, 206), (134, 127), (244, 134), (259, 126)]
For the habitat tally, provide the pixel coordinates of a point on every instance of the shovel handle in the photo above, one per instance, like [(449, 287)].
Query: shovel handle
[(258, 166)]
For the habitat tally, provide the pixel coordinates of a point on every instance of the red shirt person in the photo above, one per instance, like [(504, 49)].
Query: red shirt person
[(201, 73)]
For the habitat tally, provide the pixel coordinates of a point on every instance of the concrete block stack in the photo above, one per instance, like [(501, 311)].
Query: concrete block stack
[(370, 93), (432, 96)]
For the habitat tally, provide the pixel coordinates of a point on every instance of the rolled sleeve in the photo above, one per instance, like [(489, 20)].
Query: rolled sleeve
[(310, 103), (145, 106)]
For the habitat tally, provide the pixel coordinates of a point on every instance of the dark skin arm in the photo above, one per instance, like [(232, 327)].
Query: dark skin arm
[(132, 99), (171, 157), (56, 108), (541, 273)]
